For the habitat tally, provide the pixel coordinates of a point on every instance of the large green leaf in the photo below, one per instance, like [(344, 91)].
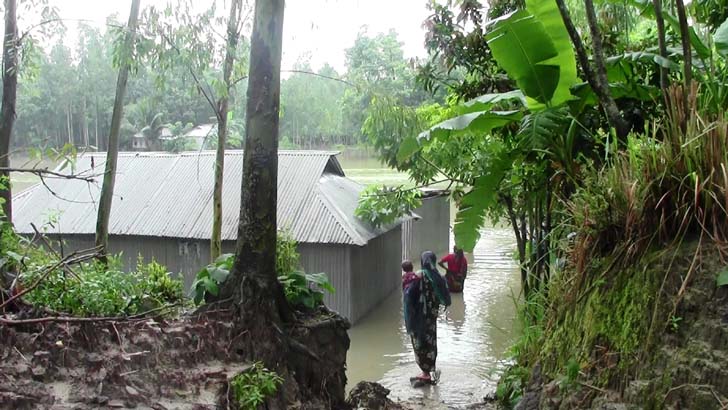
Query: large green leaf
[(722, 278), (523, 48), (547, 12), (477, 122), (471, 212), (407, 148), (539, 129), (643, 57), (487, 101), (720, 38), (475, 118)]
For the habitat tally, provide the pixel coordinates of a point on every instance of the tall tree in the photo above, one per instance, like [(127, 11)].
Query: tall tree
[(107, 190), (233, 34), (596, 76), (255, 258), (7, 113), (192, 42)]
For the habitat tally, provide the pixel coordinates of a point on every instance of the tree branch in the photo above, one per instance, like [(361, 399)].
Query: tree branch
[(74, 258), (597, 80), (71, 319), (48, 173)]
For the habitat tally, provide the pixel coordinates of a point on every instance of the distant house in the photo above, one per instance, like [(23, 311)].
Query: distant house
[(141, 143), (162, 209), (201, 135)]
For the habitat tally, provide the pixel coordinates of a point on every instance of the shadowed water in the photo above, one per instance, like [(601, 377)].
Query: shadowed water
[(473, 334)]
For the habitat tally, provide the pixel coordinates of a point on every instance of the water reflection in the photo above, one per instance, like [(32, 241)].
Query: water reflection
[(473, 333)]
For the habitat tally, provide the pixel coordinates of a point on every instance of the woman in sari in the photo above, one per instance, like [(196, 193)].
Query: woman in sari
[(422, 302)]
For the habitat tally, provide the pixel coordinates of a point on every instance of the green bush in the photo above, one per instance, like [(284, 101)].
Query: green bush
[(252, 387), (94, 289), (301, 289), (89, 288)]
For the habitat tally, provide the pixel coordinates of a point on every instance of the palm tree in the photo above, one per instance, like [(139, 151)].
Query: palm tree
[(153, 132)]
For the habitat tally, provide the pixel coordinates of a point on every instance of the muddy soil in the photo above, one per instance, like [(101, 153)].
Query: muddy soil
[(159, 364)]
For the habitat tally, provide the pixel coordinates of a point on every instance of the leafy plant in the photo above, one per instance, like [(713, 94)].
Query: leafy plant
[(252, 387), (305, 289), (95, 289), (300, 288), (209, 279), (722, 278), (382, 205)]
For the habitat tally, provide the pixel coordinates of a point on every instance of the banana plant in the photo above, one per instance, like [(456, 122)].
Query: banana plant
[(533, 47)]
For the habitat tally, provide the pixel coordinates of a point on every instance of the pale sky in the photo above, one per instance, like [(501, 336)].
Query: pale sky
[(324, 28)]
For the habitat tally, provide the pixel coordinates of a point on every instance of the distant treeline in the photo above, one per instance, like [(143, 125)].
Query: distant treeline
[(66, 94)]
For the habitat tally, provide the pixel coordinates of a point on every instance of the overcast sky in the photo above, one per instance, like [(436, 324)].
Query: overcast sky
[(324, 28)]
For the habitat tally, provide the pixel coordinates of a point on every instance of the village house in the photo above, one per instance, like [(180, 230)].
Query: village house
[(162, 209)]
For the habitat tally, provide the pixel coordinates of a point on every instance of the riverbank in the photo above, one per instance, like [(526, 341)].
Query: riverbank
[(651, 335)]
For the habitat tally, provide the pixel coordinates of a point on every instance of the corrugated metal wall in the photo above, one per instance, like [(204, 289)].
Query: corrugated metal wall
[(376, 272), (431, 232), (335, 261)]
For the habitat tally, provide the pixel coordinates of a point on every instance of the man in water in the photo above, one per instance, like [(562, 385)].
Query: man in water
[(457, 269)]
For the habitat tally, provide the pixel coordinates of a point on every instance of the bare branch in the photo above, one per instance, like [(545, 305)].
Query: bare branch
[(51, 174)]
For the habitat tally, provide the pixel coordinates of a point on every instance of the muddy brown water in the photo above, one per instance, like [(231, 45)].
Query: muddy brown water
[(474, 334)]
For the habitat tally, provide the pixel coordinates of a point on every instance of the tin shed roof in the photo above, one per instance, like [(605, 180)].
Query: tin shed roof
[(170, 195)]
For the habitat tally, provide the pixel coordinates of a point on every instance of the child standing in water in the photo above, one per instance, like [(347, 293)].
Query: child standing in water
[(408, 274)]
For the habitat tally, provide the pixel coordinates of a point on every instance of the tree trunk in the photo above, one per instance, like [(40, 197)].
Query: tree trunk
[(84, 123), (96, 100), (255, 261), (7, 113), (687, 58), (596, 79), (107, 190), (664, 81), (233, 32)]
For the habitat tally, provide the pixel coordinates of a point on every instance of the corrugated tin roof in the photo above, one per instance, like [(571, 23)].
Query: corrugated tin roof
[(170, 195)]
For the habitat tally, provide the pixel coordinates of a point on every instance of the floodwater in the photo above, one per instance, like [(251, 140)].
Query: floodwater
[(474, 334)]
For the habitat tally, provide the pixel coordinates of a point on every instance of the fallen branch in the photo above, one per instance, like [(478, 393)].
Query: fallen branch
[(72, 319), (76, 257)]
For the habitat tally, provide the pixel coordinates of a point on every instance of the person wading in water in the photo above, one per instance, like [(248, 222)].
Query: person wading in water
[(422, 299), (457, 269)]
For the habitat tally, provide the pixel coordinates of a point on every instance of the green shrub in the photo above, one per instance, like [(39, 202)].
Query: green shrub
[(252, 387), (301, 289), (94, 289)]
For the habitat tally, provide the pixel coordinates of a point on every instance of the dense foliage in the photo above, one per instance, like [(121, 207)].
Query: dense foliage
[(598, 146), (88, 288)]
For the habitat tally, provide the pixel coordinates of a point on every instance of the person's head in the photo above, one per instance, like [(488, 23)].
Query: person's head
[(429, 260), (459, 252), (454, 249), (407, 266)]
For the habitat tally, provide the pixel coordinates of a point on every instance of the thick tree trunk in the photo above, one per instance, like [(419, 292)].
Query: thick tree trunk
[(107, 190), (7, 113), (256, 245), (597, 79), (233, 33)]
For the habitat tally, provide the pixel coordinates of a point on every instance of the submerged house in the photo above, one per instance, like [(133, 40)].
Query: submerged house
[(162, 209)]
